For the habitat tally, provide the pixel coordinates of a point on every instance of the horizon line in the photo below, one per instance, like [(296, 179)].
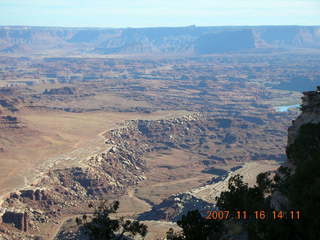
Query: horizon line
[(178, 26)]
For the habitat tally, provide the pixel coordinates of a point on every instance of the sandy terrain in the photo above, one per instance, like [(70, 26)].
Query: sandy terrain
[(171, 172), (55, 139), (249, 171)]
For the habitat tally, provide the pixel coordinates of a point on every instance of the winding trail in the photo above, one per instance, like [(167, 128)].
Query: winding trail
[(143, 203)]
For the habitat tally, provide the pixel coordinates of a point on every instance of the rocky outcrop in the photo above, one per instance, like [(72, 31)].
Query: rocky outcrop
[(158, 134), (6, 91), (10, 103), (60, 91), (8, 121), (122, 164), (19, 219), (310, 113), (174, 207), (37, 195)]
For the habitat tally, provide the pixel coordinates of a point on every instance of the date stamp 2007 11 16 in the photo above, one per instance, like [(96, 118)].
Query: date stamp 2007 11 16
[(257, 215)]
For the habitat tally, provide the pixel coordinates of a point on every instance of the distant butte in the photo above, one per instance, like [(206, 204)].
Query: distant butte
[(182, 40)]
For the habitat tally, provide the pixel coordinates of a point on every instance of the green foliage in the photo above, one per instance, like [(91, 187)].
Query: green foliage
[(133, 228), (172, 235), (273, 229), (303, 186), (103, 227), (264, 183), (195, 226), (307, 144), (239, 196)]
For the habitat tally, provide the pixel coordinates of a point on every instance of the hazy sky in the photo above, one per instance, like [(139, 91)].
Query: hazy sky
[(150, 13)]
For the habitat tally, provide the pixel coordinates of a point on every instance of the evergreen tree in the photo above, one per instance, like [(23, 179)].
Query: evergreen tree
[(103, 227)]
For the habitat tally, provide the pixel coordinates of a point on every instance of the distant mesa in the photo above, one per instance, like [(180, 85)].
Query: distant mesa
[(225, 41), (166, 40), (16, 48)]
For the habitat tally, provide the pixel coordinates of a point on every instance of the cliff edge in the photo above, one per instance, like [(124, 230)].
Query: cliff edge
[(310, 113)]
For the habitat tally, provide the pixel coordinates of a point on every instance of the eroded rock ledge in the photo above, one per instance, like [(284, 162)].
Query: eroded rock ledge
[(109, 173), (310, 113)]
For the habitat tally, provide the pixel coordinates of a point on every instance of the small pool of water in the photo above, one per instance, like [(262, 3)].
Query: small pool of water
[(286, 108)]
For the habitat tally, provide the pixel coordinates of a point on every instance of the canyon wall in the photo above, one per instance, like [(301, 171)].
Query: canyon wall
[(111, 172), (310, 113), (189, 40)]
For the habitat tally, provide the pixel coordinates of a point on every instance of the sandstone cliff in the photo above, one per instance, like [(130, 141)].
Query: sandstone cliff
[(121, 165), (192, 39), (310, 113)]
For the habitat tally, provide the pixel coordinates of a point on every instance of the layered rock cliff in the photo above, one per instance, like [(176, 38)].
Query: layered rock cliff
[(122, 164), (310, 108), (192, 39)]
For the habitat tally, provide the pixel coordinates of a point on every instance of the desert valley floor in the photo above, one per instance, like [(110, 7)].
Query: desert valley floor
[(161, 134)]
